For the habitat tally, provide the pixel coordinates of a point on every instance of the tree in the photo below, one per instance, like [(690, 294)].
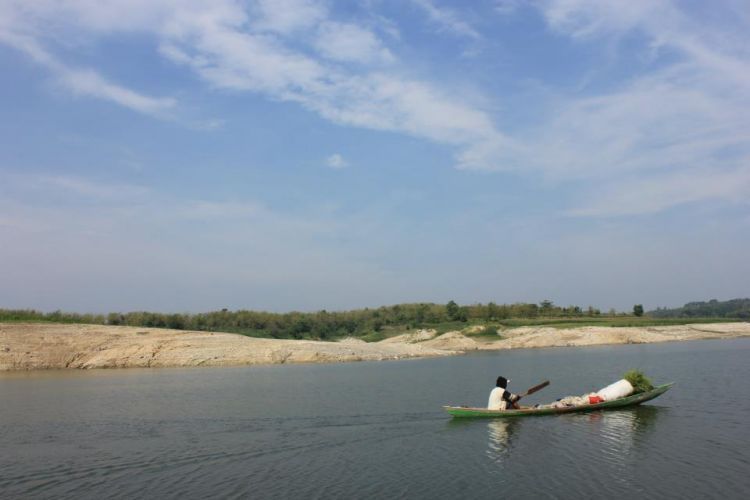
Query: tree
[(463, 314), (638, 310), (492, 311), (452, 310), (546, 307)]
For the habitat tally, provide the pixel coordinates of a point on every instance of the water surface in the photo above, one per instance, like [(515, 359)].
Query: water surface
[(377, 430)]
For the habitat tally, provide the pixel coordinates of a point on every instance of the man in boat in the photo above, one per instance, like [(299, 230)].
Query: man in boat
[(501, 398)]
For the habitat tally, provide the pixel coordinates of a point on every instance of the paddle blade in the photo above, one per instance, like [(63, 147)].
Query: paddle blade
[(537, 388)]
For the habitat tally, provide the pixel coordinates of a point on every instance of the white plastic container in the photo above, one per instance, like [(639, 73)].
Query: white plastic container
[(618, 390)]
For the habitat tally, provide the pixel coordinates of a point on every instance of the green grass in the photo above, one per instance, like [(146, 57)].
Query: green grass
[(489, 332), (452, 326), (375, 336)]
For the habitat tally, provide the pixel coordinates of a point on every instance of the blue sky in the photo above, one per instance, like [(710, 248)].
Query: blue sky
[(182, 155)]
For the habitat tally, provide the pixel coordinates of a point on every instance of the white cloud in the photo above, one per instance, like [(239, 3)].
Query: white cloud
[(660, 192), (446, 19), (353, 95), (259, 49), (288, 16), (681, 129), (70, 187), (668, 127), (351, 43), (85, 187), (586, 18), (682, 114), (336, 161), (508, 7), (87, 81), (682, 117)]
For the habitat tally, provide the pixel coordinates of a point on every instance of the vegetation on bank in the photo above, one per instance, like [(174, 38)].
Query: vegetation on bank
[(735, 308), (370, 324)]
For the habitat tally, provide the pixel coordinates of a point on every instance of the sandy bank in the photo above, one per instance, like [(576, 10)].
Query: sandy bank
[(526, 337), (29, 346)]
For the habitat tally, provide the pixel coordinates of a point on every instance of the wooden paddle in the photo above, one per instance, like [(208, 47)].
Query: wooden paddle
[(534, 389)]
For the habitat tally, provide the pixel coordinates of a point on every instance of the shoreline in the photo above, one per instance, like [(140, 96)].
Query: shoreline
[(45, 346)]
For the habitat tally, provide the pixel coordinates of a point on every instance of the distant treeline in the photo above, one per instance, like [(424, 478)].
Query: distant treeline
[(316, 325), (735, 308)]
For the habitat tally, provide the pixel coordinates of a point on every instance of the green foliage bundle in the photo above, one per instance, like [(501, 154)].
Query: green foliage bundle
[(639, 381)]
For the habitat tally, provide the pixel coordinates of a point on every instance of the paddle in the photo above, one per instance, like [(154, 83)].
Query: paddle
[(534, 389)]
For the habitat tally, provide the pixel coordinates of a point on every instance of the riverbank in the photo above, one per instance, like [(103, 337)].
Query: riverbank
[(32, 346)]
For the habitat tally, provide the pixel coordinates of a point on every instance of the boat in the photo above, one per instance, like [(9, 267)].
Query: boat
[(632, 400)]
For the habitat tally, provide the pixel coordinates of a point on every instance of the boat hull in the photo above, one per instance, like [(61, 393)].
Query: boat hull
[(636, 399)]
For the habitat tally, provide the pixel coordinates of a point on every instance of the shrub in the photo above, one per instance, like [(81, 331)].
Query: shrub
[(487, 331), (374, 337)]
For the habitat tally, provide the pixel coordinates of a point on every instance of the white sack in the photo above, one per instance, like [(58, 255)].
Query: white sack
[(618, 390)]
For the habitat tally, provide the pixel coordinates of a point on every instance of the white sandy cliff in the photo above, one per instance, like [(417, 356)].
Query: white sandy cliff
[(29, 346)]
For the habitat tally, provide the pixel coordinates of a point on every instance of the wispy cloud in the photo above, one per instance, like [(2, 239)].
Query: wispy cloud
[(667, 126), (84, 187), (287, 16), (508, 7), (224, 210), (289, 51), (447, 19), (680, 117), (351, 43), (680, 128), (70, 187), (355, 94), (663, 191), (336, 161), (681, 114), (88, 82)]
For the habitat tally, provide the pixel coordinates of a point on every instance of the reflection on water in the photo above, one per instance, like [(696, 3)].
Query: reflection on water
[(615, 433), (646, 416), (615, 436), (624, 427), (636, 419), (500, 432)]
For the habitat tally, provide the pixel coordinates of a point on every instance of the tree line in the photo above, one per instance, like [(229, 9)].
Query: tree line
[(735, 308), (313, 325)]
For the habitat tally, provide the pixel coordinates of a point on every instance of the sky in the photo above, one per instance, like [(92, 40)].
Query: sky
[(185, 156)]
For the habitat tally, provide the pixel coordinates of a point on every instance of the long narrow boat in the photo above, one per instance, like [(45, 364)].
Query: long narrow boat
[(635, 399)]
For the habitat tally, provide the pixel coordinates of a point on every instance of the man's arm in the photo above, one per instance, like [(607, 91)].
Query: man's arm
[(513, 400)]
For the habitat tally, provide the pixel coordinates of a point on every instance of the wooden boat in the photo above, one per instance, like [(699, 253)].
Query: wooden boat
[(635, 399)]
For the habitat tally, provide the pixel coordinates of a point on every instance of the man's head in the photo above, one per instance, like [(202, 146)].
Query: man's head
[(502, 382)]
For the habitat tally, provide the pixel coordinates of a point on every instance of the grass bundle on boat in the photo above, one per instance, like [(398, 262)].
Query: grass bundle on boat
[(639, 381)]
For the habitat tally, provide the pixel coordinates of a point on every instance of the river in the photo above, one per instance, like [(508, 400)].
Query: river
[(376, 429)]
